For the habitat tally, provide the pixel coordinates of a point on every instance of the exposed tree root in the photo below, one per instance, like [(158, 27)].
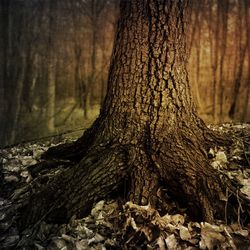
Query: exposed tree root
[(213, 138), (151, 177), (155, 171), (73, 151), (68, 151), (73, 190)]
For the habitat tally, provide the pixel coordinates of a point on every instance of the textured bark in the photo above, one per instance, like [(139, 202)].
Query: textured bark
[(147, 134), (198, 55)]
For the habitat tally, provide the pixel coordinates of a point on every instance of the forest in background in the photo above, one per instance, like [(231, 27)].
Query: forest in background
[(55, 57)]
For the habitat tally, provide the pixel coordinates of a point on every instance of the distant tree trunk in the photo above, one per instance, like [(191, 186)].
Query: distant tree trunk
[(79, 88), (29, 79), (89, 82), (104, 60), (78, 77), (193, 25), (224, 6), (215, 60), (103, 86), (147, 135), (4, 27), (213, 54), (51, 68), (14, 66), (90, 88), (86, 97), (97, 7), (245, 113), (26, 98), (33, 34), (240, 63), (33, 80), (194, 44), (51, 95), (18, 97)]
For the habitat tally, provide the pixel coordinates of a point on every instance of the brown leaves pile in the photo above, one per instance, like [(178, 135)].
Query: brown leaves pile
[(146, 227)]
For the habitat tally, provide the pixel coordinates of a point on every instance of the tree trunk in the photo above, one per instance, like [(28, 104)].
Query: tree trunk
[(240, 62), (51, 96), (14, 66), (224, 6), (51, 67), (198, 55), (147, 134), (92, 79), (78, 78), (79, 88), (245, 114), (215, 61), (4, 26)]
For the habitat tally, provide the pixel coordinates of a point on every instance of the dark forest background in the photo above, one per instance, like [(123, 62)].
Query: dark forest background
[(55, 56)]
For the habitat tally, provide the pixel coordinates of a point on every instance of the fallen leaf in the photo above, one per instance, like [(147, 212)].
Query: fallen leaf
[(171, 242), (184, 233)]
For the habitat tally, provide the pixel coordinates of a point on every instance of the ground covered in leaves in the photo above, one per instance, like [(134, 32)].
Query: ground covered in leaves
[(112, 225)]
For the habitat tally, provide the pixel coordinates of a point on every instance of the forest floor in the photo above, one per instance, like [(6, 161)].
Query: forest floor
[(113, 226)]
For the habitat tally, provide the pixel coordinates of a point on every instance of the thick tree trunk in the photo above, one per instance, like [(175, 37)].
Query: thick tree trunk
[(147, 134), (198, 55)]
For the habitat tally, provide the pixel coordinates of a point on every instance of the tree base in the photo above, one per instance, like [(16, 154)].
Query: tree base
[(171, 181)]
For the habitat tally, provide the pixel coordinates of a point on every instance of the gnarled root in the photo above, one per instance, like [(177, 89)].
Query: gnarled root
[(184, 175), (70, 191), (74, 151)]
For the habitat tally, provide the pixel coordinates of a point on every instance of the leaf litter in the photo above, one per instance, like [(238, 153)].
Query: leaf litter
[(111, 225)]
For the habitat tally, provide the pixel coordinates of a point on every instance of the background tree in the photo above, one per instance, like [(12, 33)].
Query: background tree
[(242, 48), (224, 5), (52, 62), (246, 102), (50, 65), (76, 16), (222, 34), (14, 52)]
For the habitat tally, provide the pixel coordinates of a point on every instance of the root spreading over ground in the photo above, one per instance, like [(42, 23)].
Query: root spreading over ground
[(112, 224)]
